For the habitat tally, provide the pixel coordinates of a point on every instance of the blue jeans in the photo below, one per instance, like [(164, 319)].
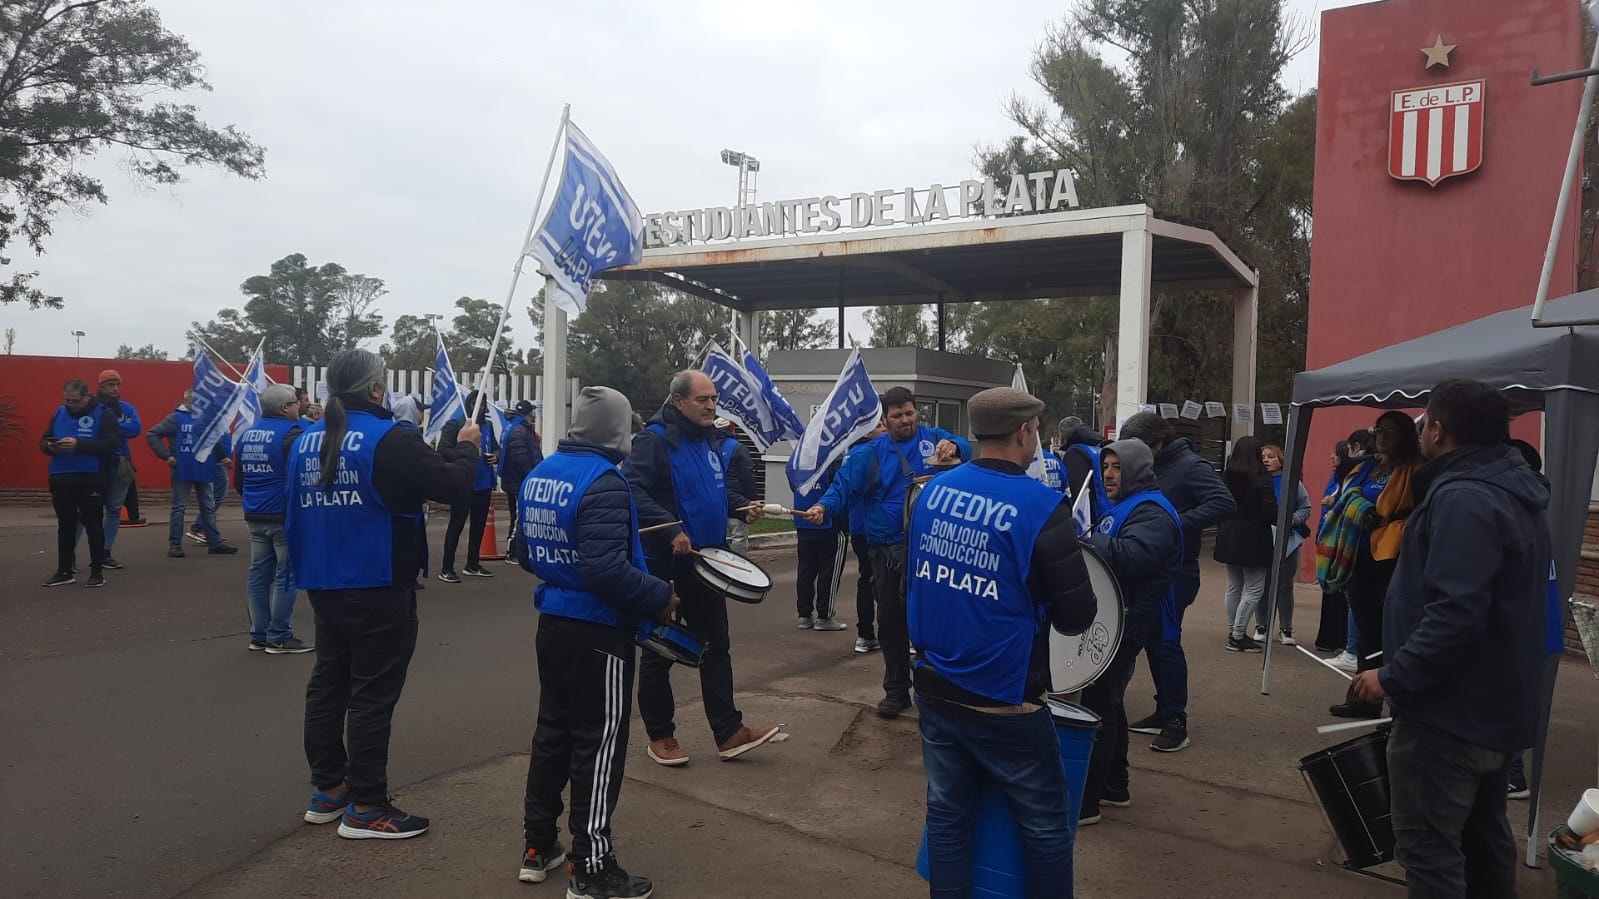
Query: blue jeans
[(1350, 646), (219, 493), (206, 498), (1168, 666), (271, 611), (1020, 754)]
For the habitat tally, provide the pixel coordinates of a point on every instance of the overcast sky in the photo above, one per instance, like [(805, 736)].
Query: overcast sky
[(405, 138)]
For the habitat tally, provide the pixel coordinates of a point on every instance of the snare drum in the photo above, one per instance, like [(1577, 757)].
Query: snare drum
[(673, 641), (1350, 783), (1075, 662), (731, 575)]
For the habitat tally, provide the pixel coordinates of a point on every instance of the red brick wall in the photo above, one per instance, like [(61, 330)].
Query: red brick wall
[(1587, 575)]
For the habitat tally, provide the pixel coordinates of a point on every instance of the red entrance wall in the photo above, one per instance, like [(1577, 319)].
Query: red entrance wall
[(32, 384), (1392, 260)]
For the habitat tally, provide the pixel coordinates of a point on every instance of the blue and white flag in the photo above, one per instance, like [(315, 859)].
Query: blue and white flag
[(747, 398), (849, 413), (255, 381), (217, 402), (447, 399), (1035, 469), (593, 224), (1083, 507)]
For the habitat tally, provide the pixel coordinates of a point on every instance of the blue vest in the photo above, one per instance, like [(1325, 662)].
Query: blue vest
[(84, 427), (804, 500), (971, 547), (699, 484), (263, 465), (887, 503), (1100, 501), (548, 518), (1555, 639), (1054, 472), (342, 537), (1111, 524), (189, 468)]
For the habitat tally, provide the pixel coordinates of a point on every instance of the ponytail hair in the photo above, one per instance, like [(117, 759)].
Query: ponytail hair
[(350, 376)]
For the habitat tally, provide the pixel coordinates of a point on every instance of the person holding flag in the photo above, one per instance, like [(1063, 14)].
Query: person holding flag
[(176, 441), (880, 481), (475, 507)]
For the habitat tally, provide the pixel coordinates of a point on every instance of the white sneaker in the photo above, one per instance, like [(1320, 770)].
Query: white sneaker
[(1287, 639), (830, 624), (1260, 634), (1344, 661)]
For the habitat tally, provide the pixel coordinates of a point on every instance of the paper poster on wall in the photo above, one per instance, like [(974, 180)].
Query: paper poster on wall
[(1147, 407), (1271, 413), (1243, 413), (1191, 409), (321, 391), (1168, 410), (1215, 410)]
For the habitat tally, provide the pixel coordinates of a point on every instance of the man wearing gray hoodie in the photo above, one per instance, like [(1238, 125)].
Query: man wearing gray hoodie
[(1141, 538)]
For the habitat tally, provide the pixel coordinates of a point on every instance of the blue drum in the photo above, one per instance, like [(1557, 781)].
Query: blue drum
[(673, 641)]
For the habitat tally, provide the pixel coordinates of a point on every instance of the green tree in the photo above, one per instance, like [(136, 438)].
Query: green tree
[(296, 307), (412, 346), (1192, 120), (148, 351), (354, 320), (794, 329), (896, 326), (472, 331), (80, 76)]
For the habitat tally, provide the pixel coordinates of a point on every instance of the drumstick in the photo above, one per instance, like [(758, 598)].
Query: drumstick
[(659, 527), (1324, 663), (1351, 725), (728, 562)]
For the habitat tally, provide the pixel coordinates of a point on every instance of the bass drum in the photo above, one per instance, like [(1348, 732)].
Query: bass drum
[(1075, 662), (912, 492)]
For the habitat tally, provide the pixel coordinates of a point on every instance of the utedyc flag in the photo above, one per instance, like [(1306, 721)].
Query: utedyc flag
[(747, 398), (447, 400), (217, 402), (782, 410), (593, 224), (1036, 468), (849, 413)]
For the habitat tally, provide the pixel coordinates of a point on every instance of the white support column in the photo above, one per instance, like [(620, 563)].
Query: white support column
[(1246, 332), (1132, 330), (555, 383), (749, 331)]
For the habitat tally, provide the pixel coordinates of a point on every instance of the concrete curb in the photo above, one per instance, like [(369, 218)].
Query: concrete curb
[(774, 541)]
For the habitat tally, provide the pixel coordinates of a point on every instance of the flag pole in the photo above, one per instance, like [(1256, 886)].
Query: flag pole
[(521, 254), (220, 358)]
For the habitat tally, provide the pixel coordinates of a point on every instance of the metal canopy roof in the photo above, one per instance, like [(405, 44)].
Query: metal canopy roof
[(1063, 254)]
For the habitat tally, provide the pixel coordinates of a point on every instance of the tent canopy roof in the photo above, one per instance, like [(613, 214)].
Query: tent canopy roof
[(1502, 349), (1062, 254)]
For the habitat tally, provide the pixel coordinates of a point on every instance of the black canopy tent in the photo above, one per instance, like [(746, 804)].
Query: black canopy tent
[(1555, 370)]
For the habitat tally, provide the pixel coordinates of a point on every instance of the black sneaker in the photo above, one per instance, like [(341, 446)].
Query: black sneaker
[(1514, 790), (1151, 725), (537, 865), (223, 549), (892, 705), (1356, 710), (1119, 798), (477, 572), (290, 646), (111, 563), (1173, 737), (610, 882), (1242, 643), (60, 579), (175, 552), (96, 579), (257, 645), (449, 577), (1089, 815), (383, 822)]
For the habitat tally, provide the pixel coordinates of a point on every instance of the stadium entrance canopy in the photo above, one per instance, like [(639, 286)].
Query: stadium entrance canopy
[(910, 246)]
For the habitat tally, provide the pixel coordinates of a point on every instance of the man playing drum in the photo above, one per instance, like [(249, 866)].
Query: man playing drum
[(580, 527), (993, 556), (678, 480), (879, 480)]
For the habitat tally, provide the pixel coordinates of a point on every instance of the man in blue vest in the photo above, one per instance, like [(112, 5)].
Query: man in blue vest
[(680, 483), (1141, 538), (994, 561), (81, 440), (357, 482), (580, 526), (110, 396), (740, 469), (1201, 500), (173, 440), (1079, 456), (821, 556), (261, 466), (879, 481), (865, 593)]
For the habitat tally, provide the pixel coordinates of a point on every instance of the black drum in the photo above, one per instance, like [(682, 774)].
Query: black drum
[(1350, 782)]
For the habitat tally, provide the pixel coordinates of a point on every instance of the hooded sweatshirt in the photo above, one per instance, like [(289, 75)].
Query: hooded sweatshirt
[(1464, 623), (1145, 555), (1199, 494)]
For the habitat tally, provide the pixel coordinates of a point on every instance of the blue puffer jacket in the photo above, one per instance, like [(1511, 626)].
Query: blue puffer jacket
[(1195, 489)]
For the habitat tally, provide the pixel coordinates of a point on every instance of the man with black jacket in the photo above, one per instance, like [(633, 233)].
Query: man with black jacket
[(1201, 499), (679, 481), (81, 440), (993, 556), (580, 527), (356, 486), (1141, 539), (1463, 646), (523, 453)]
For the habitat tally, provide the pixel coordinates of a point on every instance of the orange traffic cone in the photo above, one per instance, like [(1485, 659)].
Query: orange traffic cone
[(128, 522), (489, 547)]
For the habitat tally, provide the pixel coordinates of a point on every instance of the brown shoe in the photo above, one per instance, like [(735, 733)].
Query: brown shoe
[(744, 741), (667, 752)]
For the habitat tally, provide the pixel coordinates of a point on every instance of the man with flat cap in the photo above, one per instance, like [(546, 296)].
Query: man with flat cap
[(994, 560)]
